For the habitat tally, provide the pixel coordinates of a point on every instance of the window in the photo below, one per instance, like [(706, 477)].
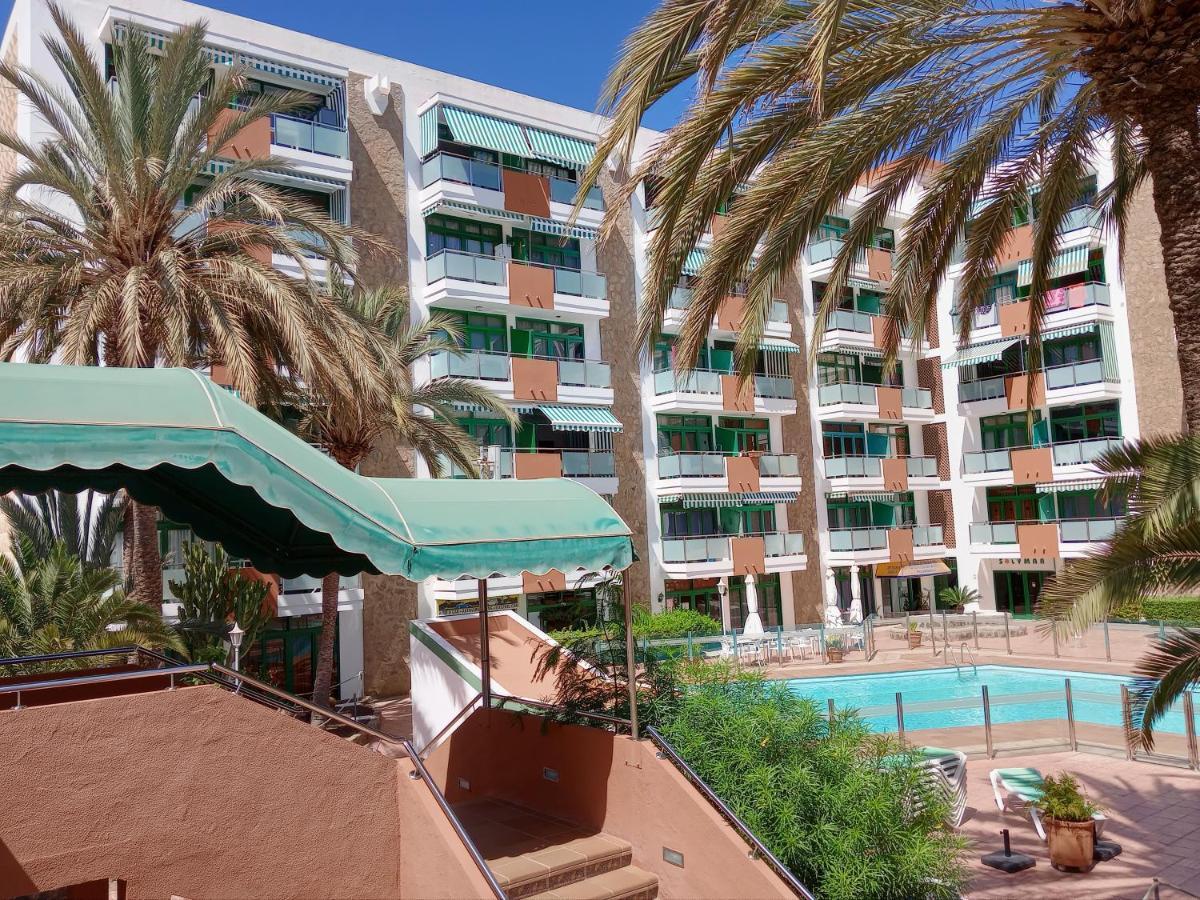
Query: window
[(846, 301), (706, 600), (481, 331), (837, 368), (1064, 351), (547, 249), (755, 519), (465, 235), (832, 228), (1088, 505), (1001, 432), (738, 435), (869, 301), (678, 522), (843, 439), (885, 239), (1085, 422), (849, 513), (1019, 503), (552, 610), (555, 340), (685, 434), (486, 432), (892, 439), (770, 603)]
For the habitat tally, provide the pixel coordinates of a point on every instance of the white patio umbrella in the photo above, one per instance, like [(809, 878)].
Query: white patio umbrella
[(856, 615), (754, 625), (833, 615)]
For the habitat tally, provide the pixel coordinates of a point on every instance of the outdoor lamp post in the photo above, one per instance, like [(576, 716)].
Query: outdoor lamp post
[(235, 638)]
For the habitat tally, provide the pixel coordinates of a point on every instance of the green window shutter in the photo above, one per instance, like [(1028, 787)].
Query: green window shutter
[(726, 440), (869, 301), (721, 360), (1041, 433), (883, 514), (877, 445), (1045, 504), (1108, 352), (527, 436), (521, 342)]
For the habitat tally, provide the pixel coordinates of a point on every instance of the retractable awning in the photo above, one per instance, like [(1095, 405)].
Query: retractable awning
[(720, 498), (921, 569), (1069, 262), (868, 496), (481, 130), (1060, 487), (582, 418), (857, 349), (559, 148), (694, 262), (175, 440), (978, 353), (549, 226), (1069, 331), (778, 345)]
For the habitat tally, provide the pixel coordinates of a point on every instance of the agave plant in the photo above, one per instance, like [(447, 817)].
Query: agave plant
[(422, 417), (1155, 551), (798, 103), (129, 239)]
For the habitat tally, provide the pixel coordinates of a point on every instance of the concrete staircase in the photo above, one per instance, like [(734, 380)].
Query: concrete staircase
[(536, 856)]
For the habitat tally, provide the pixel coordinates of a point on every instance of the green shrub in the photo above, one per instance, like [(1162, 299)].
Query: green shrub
[(1127, 612), (1062, 799), (849, 824), (675, 623), (1172, 610)]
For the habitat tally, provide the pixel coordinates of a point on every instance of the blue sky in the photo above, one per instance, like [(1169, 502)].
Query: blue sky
[(560, 51)]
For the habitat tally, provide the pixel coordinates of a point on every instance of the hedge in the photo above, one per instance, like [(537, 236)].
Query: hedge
[(675, 623), (1173, 610)]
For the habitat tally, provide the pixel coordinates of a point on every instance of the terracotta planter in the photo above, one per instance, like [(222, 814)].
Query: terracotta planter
[(1072, 844), (914, 639), (834, 654)]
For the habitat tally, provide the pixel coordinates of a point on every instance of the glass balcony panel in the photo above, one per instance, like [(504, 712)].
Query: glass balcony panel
[(1081, 217), (1073, 531), (840, 541), (1102, 529), (779, 466), (572, 372), (773, 386), (922, 467), (848, 320), (1004, 533), (918, 398), (493, 366), (562, 191), (679, 298), (823, 250), (984, 389)]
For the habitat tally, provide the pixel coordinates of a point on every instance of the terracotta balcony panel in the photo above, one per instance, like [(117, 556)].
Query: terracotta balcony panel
[(879, 264), (749, 555), (1032, 465), (251, 142), (1016, 390), (889, 400), (717, 224), (1038, 541), (900, 545), (731, 313), (879, 330), (535, 379), (531, 286), (526, 193), (553, 580), (1017, 245), (742, 474), (737, 396), (895, 474), (1015, 318), (537, 465), (219, 373)]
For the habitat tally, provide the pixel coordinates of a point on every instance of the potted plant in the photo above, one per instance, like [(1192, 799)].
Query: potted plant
[(835, 649), (1069, 818), (914, 636)]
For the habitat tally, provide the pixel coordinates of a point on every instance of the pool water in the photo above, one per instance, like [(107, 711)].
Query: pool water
[(942, 698)]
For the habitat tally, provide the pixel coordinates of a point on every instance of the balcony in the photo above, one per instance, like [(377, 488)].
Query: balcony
[(539, 379), (728, 472), (596, 468), (1069, 383), (445, 176), (852, 401), (881, 472), (719, 556), (872, 544), (463, 280), (311, 136), (872, 264), (1046, 540), (711, 390), (728, 318), (1065, 306), (1064, 455)]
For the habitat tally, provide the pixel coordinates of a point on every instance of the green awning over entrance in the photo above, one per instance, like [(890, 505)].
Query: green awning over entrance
[(175, 440), (582, 418)]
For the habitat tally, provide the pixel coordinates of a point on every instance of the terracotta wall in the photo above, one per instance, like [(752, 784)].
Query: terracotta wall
[(1156, 384), (378, 201), (201, 794), (941, 512), (608, 783), (514, 651), (929, 376), (933, 438)]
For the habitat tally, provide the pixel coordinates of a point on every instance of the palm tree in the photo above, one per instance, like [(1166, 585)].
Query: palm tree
[(55, 603), (798, 102), (87, 524), (1155, 551), (423, 417), (129, 240)]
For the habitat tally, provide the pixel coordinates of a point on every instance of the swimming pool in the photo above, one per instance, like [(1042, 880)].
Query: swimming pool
[(942, 698)]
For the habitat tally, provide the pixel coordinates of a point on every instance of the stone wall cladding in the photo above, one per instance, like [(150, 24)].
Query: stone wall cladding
[(1157, 386), (8, 113), (931, 331), (929, 376), (933, 437), (941, 512), (378, 203), (798, 439), (620, 348)]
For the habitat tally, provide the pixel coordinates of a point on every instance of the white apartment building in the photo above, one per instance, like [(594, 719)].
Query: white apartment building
[(791, 490)]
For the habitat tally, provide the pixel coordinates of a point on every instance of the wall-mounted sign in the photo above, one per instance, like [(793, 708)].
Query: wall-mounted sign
[(919, 569)]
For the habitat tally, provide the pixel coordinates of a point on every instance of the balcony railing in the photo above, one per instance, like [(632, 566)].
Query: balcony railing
[(304, 134), (1070, 531), (1067, 453), (848, 540), (575, 463), (459, 169), (1058, 300), (849, 320), (485, 366), (681, 298), (1065, 376), (716, 548), (493, 270), (864, 394), (872, 467), (712, 465), (708, 381)]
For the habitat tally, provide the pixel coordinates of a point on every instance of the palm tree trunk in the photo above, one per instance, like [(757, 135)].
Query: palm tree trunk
[(144, 560), (323, 680), (1173, 159)]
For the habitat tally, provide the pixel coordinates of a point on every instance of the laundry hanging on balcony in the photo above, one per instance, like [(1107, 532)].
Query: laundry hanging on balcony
[(582, 418), (1069, 262), (724, 499), (973, 354)]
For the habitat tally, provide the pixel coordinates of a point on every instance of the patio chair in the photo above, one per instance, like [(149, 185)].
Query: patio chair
[(1019, 790)]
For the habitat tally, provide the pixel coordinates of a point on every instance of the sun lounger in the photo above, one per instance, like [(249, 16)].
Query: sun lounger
[(1019, 790)]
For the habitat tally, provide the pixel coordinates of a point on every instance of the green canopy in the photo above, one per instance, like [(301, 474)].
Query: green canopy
[(174, 439)]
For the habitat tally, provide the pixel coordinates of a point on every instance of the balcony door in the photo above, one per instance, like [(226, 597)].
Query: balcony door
[(1017, 592)]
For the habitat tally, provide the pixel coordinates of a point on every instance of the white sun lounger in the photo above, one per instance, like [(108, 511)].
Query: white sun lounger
[(1019, 790)]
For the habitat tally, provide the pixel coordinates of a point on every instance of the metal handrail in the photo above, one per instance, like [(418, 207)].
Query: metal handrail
[(458, 716), (499, 700), (730, 816), (67, 654), (49, 684)]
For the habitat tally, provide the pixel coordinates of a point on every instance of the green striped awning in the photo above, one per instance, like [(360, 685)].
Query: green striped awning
[(558, 148), (722, 498), (429, 129), (582, 418), (1069, 262), (778, 345), (455, 205), (547, 226), (694, 262), (1108, 352), (859, 349), (1061, 487), (485, 131), (1069, 331), (974, 354), (868, 496)]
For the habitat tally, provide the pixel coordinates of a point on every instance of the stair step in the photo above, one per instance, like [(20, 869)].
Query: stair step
[(562, 861), (626, 883)]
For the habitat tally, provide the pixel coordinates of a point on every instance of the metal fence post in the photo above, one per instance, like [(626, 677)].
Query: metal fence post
[(829, 702), (779, 643), (907, 622), (1189, 724), (932, 630), (1126, 721), (945, 631), (900, 716), (1054, 639), (1162, 630), (1007, 636), (821, 633), (1070, 714), (987, 722), (975, 628), (689, 639), (1107, 645)]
